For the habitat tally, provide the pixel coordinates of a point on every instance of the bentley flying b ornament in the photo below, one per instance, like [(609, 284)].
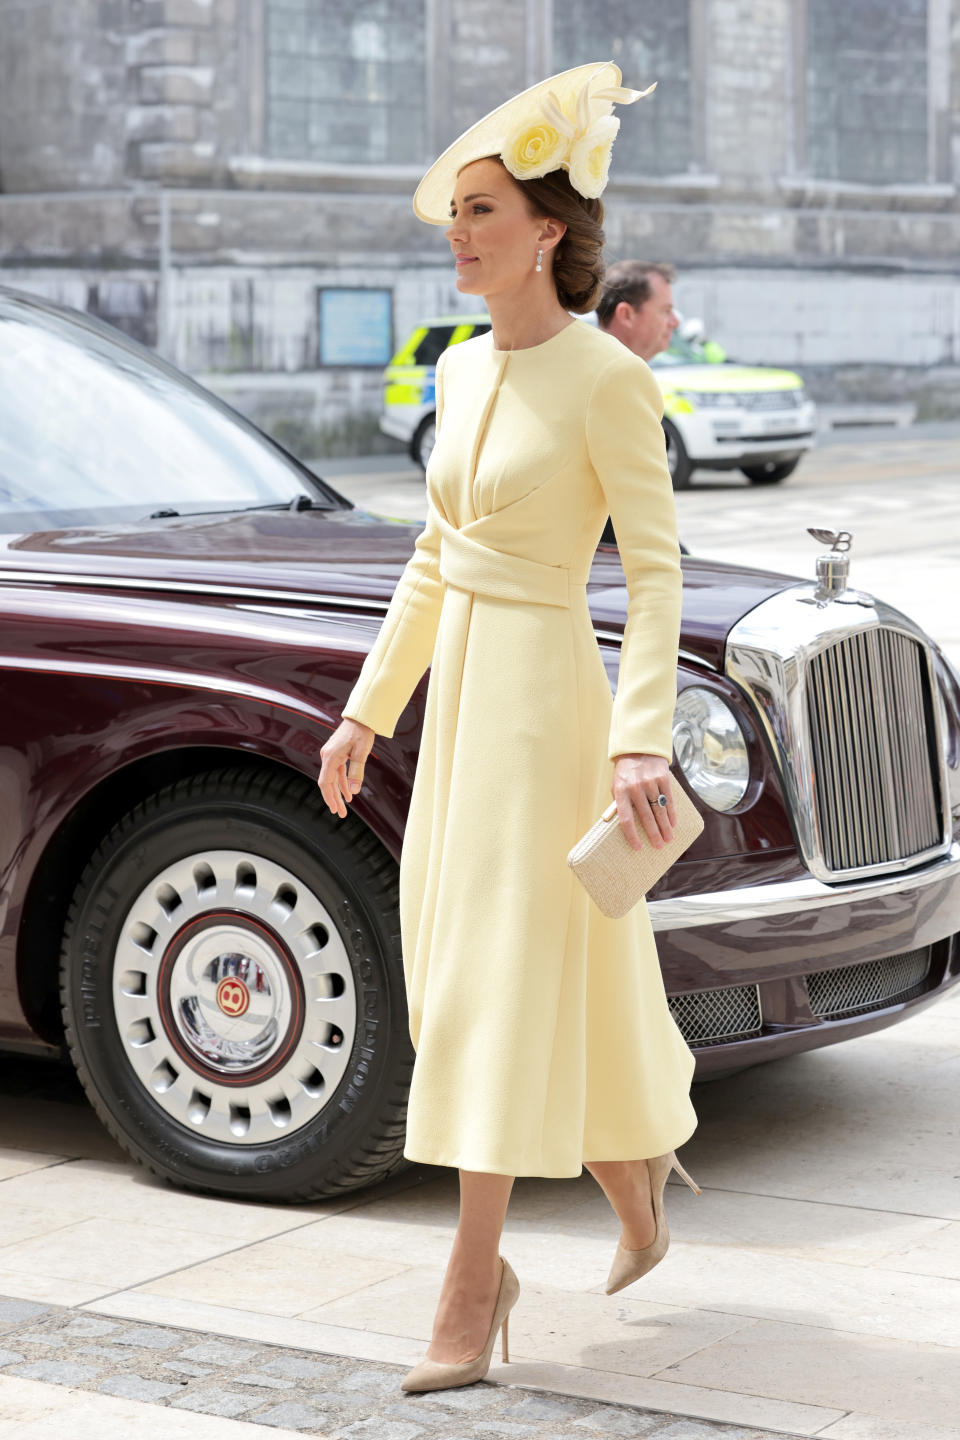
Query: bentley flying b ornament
[(833, 569)]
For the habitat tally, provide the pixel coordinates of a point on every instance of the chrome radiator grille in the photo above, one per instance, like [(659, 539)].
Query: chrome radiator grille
[(708, 1017), (875, 776), (854, 989)]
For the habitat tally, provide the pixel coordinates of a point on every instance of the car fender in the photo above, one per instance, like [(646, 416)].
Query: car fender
[(132, 706)]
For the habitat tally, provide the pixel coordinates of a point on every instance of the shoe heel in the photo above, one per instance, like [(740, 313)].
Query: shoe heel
[(504, 1341), (683, 1174)]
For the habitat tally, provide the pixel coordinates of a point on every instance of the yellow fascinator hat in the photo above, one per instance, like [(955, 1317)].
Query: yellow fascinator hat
[(565, 122)]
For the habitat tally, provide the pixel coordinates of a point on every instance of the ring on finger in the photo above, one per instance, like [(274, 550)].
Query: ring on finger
[(660, 800)]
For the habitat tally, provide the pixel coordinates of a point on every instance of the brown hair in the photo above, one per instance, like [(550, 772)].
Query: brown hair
[(630, 280), (578, 258)]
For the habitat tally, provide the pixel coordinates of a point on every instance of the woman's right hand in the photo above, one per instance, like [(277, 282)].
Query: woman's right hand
[(348, 747)]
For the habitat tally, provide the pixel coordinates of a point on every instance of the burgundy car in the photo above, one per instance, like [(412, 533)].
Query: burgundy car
[(185, 608)]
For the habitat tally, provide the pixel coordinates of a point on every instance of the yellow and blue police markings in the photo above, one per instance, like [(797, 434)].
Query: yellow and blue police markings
[(722, 416), (409, 381)]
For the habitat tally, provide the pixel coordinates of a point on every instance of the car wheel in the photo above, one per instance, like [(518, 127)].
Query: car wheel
[(678, 460), (771, 473), (424, 441), (232, 990)]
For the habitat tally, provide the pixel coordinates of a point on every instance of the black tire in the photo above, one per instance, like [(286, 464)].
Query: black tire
[(679, 462), (772, 472), (353, 1135), (421, 446)]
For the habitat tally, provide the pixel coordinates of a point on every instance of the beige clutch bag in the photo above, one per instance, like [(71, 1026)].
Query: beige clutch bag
[(615, 874)]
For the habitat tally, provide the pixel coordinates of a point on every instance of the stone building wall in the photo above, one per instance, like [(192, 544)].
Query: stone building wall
[(136, 182), (114, 93), (746, 114)]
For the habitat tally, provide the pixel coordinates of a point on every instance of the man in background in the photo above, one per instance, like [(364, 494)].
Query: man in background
[(636, 305)]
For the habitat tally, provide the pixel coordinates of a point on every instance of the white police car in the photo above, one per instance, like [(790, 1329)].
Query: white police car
[(716, 415)]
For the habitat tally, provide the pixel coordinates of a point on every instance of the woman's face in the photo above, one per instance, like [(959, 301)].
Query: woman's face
[(492, 233)]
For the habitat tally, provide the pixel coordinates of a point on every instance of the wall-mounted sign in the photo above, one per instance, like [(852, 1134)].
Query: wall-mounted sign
[(356, 326)]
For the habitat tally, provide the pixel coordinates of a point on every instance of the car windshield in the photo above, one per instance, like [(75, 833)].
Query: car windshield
[(681, 352), (94, 430)]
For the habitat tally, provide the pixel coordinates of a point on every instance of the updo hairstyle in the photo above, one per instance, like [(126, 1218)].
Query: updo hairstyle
[(578, 259)]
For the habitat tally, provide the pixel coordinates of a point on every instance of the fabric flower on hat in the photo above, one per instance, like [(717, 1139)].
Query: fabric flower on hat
[(590, 155), (550, 137), (534, 149)]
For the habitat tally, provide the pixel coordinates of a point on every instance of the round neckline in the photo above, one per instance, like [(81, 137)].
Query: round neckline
[(526, 349)]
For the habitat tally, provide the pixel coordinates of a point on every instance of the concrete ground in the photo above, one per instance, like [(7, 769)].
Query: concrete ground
[(64, 1370), (812, 1289)]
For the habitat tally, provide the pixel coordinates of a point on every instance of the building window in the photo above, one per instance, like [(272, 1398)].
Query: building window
[(649, 41), (866, 90), (346, 81)]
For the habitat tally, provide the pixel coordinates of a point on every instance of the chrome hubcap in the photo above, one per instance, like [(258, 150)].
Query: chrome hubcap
[(230, 999), (234, 997)]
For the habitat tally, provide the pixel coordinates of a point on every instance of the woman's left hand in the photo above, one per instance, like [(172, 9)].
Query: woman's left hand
[(637, 781)]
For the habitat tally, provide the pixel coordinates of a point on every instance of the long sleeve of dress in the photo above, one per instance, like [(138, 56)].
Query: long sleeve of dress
[(404, 645), (626, 448)]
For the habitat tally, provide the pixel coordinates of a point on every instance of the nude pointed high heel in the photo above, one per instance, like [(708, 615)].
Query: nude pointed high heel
[(630, 1265), (434, 1375)]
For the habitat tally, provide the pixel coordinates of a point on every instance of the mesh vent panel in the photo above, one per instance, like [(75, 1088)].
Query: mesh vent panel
[(708, 1017), (855, 989)]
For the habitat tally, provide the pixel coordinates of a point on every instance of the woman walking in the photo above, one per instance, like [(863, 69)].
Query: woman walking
[(543, 1037)]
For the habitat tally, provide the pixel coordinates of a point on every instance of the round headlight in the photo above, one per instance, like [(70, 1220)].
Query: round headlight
[(711, 748), (948, 703), (948, 728)]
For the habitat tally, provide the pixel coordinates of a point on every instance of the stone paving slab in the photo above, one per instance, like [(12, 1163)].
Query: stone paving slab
[(328, 1396)]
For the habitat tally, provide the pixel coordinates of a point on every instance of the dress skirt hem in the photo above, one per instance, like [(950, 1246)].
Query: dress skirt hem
[(532, 1170)]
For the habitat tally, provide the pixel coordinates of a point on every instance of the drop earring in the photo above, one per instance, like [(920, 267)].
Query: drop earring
[(539, 260)]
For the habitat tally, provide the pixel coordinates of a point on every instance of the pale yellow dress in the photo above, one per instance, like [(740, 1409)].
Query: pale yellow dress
[(542, 1032)]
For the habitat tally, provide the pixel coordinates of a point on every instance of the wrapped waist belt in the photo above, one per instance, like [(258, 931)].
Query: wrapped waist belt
[(472, 566)]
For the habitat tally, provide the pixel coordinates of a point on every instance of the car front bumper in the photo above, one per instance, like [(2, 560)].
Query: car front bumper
[(743, 968), (731, 436)]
